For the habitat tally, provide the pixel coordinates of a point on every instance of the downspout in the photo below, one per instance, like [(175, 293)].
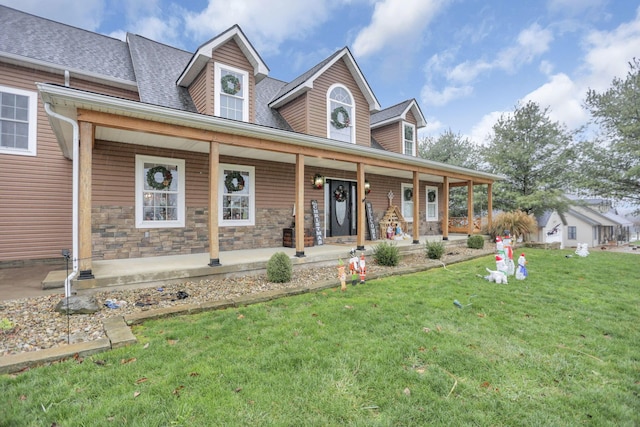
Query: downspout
[(76, 175)]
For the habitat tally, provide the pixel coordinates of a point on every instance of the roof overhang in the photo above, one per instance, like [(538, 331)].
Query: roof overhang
[(414, 108)]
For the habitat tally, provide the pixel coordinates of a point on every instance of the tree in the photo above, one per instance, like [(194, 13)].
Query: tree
[(612, 166), (536, 156)]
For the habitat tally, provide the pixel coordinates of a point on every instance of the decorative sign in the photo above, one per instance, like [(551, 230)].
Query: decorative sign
[(373, 233), (316, 222)]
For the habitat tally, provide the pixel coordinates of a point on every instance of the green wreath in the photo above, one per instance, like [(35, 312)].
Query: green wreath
[(335, 118), (230, 84), (228, 182), (340, 194), (408, 194), (167, 178)]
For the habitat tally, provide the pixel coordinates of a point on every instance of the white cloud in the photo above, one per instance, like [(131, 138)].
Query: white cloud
[(564, 97), (431, 96), (531, 43), (483, 130), (395, 22), (86, 14)]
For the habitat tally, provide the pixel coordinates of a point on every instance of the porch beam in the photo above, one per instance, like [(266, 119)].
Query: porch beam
[(299, 203), (489, 205), (360, 208), (445, 209), (87, 136), (214, 173), (470, 207), (416, 208)]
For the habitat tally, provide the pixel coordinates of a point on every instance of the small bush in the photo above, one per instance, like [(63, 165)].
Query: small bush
[(519, 224), (435, 250), (475, 241), (386, 254), (279, 269)]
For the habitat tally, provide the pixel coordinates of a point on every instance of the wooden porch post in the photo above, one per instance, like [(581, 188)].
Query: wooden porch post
[(361, 208), (470, 207), (445, 208), (489, 204), (85, 249), (214, 173), (416, 208), (299, 204)]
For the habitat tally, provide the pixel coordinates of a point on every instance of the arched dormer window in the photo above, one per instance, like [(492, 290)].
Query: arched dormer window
[(340, 114)]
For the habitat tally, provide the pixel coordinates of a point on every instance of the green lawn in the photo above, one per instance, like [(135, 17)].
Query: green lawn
[(558, 349)]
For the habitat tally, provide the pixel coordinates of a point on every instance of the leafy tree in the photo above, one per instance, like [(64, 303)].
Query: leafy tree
[(612, 161), (536, 155)]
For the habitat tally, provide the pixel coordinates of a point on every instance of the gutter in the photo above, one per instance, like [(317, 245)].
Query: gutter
[(76, 175)]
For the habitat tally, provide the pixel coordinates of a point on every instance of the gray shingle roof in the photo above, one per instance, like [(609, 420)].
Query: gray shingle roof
[(266, 116), (63, 46), (390, 113)]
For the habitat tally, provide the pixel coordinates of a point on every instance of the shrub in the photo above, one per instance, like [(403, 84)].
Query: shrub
[(386, 254), (517, 222), (435, 250), (475, 241), (279, 269)]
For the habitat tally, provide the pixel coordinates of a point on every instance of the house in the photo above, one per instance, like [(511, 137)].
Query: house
[(129, 149), (591, 221)]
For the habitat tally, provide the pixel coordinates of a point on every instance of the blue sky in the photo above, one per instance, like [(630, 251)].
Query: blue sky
[(465, 61)]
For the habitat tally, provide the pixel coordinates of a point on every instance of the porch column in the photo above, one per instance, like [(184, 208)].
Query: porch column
[(416, 208), (361, 209), (214, 173), (87, 135), (489, 204), (470, 207), (445, 208), (299, 204)]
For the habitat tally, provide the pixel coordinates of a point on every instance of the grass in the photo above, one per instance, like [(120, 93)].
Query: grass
[(560, 348)]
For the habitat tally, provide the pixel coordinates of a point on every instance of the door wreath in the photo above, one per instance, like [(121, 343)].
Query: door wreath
[(232, 186), (340, 194), (166, 178)]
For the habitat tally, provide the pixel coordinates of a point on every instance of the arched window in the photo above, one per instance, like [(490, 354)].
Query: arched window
[(341, 114)]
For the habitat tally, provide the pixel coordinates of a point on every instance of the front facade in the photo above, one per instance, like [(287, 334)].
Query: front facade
[(137, 149)]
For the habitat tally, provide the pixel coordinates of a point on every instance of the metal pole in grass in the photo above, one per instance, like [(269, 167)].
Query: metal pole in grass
[(67, 291)]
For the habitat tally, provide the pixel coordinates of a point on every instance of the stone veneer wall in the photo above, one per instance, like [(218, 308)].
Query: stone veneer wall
[(115, 236)]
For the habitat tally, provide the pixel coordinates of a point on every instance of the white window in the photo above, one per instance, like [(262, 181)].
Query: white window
[(432, 203), (407, 202), (231, 93), (340, 114), (409, 139), (237, 191), (160, 192), (18, 127)]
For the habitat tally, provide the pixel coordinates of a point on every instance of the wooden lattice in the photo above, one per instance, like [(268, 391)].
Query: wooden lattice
[(392, 216)]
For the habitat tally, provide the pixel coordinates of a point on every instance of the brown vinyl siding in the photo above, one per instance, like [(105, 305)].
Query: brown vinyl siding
[(230, 54), (201, 90), (296, 113), (389, 136)]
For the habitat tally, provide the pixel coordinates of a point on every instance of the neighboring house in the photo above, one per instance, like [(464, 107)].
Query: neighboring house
[(592, 222), (137, 149)]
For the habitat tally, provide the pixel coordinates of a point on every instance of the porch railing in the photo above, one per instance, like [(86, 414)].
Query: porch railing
[(460, 224)]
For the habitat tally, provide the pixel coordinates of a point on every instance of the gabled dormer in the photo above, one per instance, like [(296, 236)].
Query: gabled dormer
[(331, 100), (396, 128), (221, 76)]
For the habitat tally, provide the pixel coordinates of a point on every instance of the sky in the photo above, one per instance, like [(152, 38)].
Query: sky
[(466, 62)]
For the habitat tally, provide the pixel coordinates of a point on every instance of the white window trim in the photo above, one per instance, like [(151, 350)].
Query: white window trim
[(353, 112), (411, 125), (140, 179), (251, 221), (403, 188), (426, 198), (245, 79), (33, 124)]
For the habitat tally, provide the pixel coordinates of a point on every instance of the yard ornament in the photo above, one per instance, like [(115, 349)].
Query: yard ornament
[(508, 250), (353, 267), (498, 275), (522, 273), (582, 249), (500, 264), (362, 267), (342, 275)]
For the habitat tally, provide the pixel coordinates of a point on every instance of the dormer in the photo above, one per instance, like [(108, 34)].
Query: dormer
[(396, 128), (221, 76)]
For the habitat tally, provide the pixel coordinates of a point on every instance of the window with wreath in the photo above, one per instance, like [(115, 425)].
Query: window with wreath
[(409, 139), (432, 203), (231, 93), (341, 118), (407, 202), (237, 191), (160, 192), (18, 115)]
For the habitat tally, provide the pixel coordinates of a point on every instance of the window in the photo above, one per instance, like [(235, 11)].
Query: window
[(160, 192), (432, 203), (572, 232), (18, 114), (341, 118), (407, 202), (231, 93), (409, 139), (237, 190)]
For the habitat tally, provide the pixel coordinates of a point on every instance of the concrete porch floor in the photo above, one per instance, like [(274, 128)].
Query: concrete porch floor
[(33, 281)]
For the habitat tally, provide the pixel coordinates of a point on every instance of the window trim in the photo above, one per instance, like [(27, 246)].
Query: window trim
[(435, 203), (352, 126), (218, 67), (403, 188), (251, 221), (572, 232), (32, 144), (139, 186), (413, 127)]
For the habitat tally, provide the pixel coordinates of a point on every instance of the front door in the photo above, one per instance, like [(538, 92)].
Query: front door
[(342, 208)]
